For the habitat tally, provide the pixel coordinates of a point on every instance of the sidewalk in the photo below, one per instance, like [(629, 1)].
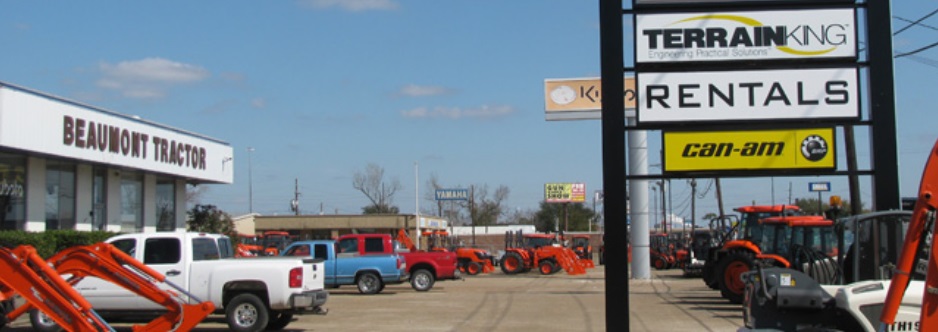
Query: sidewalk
[(671, 302)]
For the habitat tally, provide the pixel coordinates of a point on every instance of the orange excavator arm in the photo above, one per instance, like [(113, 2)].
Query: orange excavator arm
[(31, 277), (405, 240), (105, 261), (923, 217)]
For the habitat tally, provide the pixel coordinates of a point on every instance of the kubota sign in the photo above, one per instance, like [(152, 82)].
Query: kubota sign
[(751, 35), (749, 150)]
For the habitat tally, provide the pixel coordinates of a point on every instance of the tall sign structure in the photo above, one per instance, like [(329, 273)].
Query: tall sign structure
[(802, 80)]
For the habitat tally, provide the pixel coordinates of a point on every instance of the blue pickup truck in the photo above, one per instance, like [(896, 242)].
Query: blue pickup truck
[(348, 262)]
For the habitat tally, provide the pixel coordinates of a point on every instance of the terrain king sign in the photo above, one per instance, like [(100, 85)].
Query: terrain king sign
[(740, 36), (795, 149)]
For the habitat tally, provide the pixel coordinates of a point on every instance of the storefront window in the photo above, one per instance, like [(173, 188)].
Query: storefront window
[(99, 199), (131, 202), (165, 205), (12, 191), (60, 195)]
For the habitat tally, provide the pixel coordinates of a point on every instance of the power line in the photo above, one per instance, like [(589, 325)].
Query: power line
[(915, 51), (915, 23)]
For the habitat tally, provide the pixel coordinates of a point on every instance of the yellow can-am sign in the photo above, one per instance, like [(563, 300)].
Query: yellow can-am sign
[(749, 150)]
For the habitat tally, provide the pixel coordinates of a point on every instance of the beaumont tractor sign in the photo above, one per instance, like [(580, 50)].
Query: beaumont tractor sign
[(755, 35), (799, 94)]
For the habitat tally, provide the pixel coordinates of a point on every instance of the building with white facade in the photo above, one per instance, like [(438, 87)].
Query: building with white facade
[(66, 165)]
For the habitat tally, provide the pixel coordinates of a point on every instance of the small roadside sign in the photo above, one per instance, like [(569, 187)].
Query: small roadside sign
[(819, 186)]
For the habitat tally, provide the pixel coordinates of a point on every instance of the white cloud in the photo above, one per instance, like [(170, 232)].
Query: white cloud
[(147, 78), (352, 5), (483, 112), (258, 103), (413, 90)]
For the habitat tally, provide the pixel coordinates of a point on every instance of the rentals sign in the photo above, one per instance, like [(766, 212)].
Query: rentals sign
[(680, 97)]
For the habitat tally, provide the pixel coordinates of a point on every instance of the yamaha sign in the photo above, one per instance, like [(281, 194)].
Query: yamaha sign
[(749, 35)]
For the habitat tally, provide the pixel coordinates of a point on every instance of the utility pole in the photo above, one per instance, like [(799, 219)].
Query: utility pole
[(295, 204), (250, 182), (472, 212), (417, 204), (719, 197)]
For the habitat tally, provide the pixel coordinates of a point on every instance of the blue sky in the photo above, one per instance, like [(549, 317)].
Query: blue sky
[(321, 88)]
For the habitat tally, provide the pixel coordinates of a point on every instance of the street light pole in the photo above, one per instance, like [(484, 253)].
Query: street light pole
[(250, 182), (417, 203)]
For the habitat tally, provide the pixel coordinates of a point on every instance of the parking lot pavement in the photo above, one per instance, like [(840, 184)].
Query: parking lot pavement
[(670, 301), (511, 303)]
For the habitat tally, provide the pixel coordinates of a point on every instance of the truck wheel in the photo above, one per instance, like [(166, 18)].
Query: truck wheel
[(246, 312), (279, 320), (42, 323), (369, 283), (473, 268), (546, 267), (422, 280), (512, 263)]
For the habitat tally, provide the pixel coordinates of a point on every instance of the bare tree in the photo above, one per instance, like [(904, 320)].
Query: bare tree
[(194, 194), (381, 194), (485, 210)]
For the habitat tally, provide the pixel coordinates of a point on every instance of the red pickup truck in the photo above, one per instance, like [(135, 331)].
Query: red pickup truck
[(425, 267)]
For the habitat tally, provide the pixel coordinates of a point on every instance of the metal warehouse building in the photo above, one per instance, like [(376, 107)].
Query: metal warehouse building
[(66, 165)]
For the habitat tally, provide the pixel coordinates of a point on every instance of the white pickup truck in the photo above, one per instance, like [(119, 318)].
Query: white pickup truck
[(254, 294)]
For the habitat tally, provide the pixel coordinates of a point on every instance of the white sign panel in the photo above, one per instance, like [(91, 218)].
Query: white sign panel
[(677, 97), (739, 36), (40, 124)]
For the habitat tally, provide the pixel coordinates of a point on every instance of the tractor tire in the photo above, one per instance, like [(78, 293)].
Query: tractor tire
[(512, 263), (708, 276), (660, 263), (369, 283), (422, 280), (42, 323), (473, 268), (5, 308), (246, 313), (728, 272), (547, 267)]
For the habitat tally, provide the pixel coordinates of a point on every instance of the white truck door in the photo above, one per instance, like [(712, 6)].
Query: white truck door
[(164, 255), (104, 295)]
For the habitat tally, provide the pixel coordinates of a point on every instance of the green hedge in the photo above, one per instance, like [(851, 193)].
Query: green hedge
[(50, 242)]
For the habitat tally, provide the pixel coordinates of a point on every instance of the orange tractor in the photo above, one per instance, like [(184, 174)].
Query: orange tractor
[(662, 250), (54, 304), (580, 243), (772, 241), (275, 241), (524, 252), (729, 228), (249, 245)]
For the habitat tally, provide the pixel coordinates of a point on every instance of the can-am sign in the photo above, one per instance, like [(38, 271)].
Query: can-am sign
[(751, 35), (681, 97)]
